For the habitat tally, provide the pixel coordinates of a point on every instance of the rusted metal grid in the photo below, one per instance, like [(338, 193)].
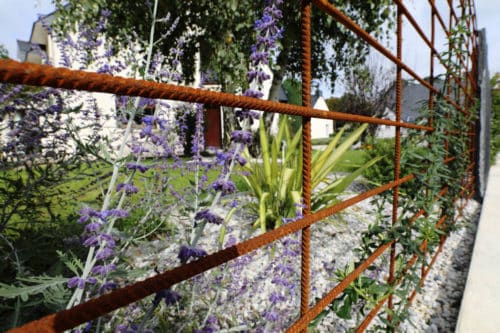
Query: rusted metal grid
[(41, 75)]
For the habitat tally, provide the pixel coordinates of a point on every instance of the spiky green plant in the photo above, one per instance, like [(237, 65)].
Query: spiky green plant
[(276, 179)]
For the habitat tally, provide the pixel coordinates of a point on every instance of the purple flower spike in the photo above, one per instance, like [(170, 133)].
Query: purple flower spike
[(110, 242), (127, 188), (247, 114), (108, 286), (77, 282), (103, 270), (253, 93), (115, 213), (241, 160), (86, 213), (226, 187), (209, 216), (271, 315), (138, 167), (91, 241), (169, 296), (276, 297), (244, 137), (188, 252), (104, 254), (146, 131), (93, 227), (91, 280), (137, 149)]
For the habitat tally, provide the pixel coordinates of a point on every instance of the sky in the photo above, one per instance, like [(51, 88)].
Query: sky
[(17, 17)]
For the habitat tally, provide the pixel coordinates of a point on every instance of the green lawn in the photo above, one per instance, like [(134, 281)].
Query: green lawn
[(87, 186), (352, 160)]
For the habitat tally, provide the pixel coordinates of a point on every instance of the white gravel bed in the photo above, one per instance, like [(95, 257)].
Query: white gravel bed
[(332, 245), (436, 308)]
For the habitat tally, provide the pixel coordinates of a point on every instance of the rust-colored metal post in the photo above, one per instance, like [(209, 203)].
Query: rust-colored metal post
[(431, 106), (307, 152), (397, 148), (431, 69)]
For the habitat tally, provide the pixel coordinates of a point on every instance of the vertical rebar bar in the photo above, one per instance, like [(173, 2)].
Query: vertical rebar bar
[(307, 151), (431, 107), (431, 69), (397, 149)]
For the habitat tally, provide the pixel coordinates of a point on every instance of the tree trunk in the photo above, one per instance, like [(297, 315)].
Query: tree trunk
[(275, 87), (229, 121)]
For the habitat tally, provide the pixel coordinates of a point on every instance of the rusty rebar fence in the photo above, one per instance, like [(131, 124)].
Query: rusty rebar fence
[(461, 100)]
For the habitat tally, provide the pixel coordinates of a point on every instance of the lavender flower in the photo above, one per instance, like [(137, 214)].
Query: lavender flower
[(138, 149), (276, 297), (253, 93), (130, 328), (93, 226), (91, 241), (224, 186), (188, 252), (268, 33), (209, 216), (115, 213), (77, 282), (170, 297), (259, 76), (241, 160), (107, 286), (271, 315), (138, 167), (211, 326), (104, 253), (127, 188), (107, 240), (87, 213), (243, 137), (103, 270)]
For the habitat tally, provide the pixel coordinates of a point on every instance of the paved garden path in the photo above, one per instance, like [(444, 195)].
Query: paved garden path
[(480, 309)]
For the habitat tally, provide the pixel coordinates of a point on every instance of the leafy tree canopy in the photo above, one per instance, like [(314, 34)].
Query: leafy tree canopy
[(223, 31), (4, 54)]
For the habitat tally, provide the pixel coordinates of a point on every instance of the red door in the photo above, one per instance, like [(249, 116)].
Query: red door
[(213, 132)]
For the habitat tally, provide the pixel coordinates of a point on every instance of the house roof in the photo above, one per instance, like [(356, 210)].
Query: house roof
[(415, 96), (23, 48), (38, 36)]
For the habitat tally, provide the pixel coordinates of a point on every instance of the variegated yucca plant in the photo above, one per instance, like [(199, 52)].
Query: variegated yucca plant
[(275, 179)]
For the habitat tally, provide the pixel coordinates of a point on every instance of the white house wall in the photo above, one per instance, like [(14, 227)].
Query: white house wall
[(321, 128)]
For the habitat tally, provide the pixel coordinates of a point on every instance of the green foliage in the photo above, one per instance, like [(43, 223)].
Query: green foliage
[(293, 89), (49, 286), (383, 171), (224, 53), (333, 103), (423, 154), (276, 183), (4, 53), (359, 297)]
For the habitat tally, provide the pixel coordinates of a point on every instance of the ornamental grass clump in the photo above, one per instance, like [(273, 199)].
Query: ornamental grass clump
[(275, 178)]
